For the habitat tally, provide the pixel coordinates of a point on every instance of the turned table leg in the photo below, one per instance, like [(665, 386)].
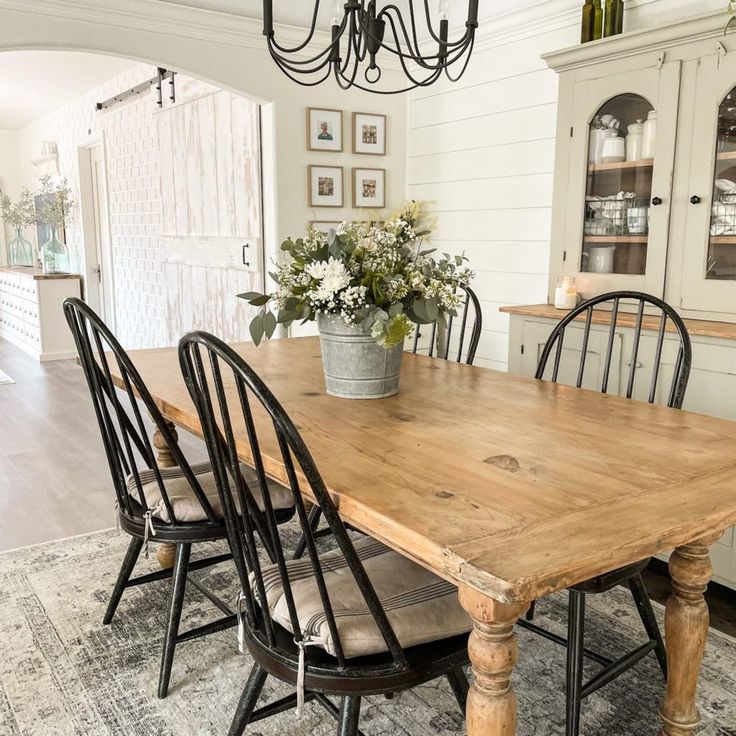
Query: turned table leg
[(166, 552), (686, 631), (493, 650)]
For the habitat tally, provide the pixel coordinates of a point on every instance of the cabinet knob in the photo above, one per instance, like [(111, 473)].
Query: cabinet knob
[(695, 199), (656, 201)]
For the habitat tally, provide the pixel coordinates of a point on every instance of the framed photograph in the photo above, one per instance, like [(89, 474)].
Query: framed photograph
[(369, 133), (369, 188), (323, 226), (324, 130), (325, 186)]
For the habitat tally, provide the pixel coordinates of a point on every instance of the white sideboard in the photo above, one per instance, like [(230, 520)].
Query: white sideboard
[(31, 312)]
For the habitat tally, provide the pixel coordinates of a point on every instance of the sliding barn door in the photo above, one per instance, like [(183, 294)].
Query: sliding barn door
[(211, 200)]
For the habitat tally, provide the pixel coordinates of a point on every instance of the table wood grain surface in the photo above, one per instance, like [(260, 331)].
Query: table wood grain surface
[(510, 487)]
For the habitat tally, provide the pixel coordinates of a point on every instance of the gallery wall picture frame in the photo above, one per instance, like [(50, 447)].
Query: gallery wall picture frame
[(323, 226), (324, 130), (369, 188), (325, 186), (369, 134)]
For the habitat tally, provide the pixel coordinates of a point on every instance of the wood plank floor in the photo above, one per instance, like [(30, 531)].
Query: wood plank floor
[(54, 480)]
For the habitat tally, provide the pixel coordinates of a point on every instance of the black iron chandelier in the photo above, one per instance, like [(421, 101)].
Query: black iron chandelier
[(360, 31)]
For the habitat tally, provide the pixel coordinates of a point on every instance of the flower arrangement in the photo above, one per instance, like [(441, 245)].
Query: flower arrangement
[(56, 202), (373, 275), (18, 214)]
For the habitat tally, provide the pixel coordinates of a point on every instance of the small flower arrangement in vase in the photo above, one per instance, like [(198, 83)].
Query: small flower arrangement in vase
[(54, 210), (366, 286), (19, 215)]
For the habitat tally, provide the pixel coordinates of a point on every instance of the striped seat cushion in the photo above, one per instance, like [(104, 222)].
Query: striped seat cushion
[(184, 503), (420, 606)]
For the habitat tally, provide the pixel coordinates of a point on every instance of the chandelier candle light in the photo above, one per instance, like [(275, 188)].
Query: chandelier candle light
[(360, 30)]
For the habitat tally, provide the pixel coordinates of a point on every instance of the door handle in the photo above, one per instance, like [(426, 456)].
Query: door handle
[(246, 263), (656, 201), (695, 199)]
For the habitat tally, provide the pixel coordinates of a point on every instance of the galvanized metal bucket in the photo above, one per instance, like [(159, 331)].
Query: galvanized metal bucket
[(355, 366)]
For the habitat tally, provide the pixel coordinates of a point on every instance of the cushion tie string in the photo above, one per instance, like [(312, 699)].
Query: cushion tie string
[(239, 605), (301, 674), (148, 528)]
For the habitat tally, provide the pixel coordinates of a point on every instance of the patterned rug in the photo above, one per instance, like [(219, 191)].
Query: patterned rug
[(5, 378), (64, 674)]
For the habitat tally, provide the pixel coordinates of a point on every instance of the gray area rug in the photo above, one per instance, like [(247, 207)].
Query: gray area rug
[(63, 673), (5, 378)]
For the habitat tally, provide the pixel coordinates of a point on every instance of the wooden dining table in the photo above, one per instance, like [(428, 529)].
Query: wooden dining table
[(512, 489)]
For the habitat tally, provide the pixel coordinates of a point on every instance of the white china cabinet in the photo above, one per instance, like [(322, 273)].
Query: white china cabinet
[(645, 199), (645, 179)]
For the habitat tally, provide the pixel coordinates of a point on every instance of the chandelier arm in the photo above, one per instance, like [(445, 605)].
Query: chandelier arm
[(298, 67), (465, 65), (423, 83), (459, 42), (293, 49), (348, 58), (398, 51), (357, 38), (340, 75), (416, 59), (299, 80), (296, 64)]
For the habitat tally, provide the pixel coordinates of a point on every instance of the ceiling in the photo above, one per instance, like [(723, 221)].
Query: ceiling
[(33, 83), (299, 12)]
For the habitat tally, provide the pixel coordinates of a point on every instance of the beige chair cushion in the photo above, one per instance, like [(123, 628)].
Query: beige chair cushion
[(184, 503), (420, 606)]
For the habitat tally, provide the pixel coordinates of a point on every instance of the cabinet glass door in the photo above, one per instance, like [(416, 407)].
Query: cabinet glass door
[(619, 188), (709, 260), (620, 174)]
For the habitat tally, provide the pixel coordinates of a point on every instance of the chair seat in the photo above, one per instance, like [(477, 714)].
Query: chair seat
[(420, 606), (184, 503), (605, 582)]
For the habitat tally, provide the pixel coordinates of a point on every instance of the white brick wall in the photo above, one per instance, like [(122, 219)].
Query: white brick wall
[(129, 133)]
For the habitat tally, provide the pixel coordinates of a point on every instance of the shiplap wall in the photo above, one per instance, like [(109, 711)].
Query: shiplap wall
[(482, 150)]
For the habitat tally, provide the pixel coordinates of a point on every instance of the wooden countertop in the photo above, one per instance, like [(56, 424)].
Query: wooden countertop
[(702, 327), (37, 274)]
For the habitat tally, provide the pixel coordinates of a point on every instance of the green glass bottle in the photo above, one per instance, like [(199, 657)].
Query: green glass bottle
[(597, 19), (609, 19), (619, 16), (586, 28)]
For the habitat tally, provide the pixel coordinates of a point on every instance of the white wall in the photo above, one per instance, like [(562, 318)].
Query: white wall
[(229, 52), (10, 181), (483, 150)]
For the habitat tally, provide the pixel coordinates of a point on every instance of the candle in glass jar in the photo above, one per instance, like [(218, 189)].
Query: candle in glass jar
[(566, 293)]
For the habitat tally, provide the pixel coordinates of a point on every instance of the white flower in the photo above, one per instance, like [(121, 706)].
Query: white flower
[(332, 276)]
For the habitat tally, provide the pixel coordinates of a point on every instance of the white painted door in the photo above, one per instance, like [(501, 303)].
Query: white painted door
[(211, 211), (592, 226), (98, 260), (709, 260)]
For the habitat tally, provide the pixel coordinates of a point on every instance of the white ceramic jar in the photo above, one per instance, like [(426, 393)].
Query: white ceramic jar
[(614, 149), (600, 258), (635, 141), (650, 135)]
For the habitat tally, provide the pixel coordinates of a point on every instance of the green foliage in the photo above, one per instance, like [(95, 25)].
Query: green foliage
[(375, 275)]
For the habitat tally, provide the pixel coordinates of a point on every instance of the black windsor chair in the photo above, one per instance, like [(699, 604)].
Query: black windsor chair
[(178, 505), (357, 620), (447, 342), (630, 576)]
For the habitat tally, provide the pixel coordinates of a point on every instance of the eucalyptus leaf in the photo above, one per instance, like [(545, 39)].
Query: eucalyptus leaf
[(256, 329), (269, 324)]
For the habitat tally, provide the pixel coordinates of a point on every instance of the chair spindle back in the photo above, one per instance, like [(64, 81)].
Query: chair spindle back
[(665, 312)]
